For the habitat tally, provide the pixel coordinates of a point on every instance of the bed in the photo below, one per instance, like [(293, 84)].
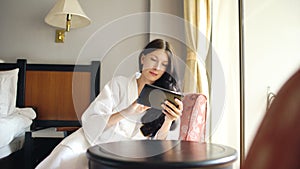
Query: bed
[(15, 118)]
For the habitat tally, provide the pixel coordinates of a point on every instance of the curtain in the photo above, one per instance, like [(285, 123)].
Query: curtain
[(198, 30), (225, 95)]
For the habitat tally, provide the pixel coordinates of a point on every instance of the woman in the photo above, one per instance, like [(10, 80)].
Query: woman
[(115, 116)]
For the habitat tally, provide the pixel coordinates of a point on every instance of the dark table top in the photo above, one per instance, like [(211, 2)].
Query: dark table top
[(161, 154)]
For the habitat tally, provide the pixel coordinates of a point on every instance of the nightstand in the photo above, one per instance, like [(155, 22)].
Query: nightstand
[(39, 144)]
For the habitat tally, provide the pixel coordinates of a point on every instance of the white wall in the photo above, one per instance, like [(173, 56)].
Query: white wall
[(24, 34), (166, 20), (119, 29), (272, 53)]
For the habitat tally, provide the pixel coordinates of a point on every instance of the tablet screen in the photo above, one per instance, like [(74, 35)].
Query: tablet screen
[(154, 96)]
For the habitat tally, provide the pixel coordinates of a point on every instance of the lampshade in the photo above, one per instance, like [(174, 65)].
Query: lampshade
[(58, 14)]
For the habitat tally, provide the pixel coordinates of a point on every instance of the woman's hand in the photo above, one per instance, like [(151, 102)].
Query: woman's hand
[(134, 108), (171, 111)]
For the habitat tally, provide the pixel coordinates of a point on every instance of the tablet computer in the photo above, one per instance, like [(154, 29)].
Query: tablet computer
[(154, 96)]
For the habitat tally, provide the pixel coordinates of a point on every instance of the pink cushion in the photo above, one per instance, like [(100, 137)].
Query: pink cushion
[(193, 119)]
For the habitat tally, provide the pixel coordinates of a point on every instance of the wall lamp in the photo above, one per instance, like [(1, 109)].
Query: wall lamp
[(66, 14)]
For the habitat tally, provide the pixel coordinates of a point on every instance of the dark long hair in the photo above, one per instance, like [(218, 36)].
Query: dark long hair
[(153, 118)]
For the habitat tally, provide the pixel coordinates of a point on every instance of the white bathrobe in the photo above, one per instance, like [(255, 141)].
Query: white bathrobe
[(116, 95)]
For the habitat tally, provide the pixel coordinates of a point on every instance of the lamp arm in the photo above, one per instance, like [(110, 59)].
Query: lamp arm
[(68, 23)]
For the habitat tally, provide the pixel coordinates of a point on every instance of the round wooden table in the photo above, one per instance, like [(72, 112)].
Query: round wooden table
[(160, 154)]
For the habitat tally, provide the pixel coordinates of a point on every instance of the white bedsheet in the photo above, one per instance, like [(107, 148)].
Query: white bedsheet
[(15, 145), (15, 124)]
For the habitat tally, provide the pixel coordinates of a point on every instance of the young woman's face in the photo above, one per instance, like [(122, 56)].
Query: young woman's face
[(154, 64)]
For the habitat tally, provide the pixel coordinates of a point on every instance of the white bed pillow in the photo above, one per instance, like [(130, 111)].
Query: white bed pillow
[(8, 91)]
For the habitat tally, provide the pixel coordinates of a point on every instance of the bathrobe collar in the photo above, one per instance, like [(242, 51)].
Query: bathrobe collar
[(133, 88)]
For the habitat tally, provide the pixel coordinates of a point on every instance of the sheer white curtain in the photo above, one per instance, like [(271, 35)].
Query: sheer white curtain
[(225, 114)]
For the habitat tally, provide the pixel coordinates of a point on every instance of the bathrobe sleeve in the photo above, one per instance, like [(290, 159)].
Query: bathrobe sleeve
[(95, 118)]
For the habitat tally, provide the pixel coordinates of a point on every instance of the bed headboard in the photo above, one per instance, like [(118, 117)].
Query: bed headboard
[(21, 64), (61, 93)]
